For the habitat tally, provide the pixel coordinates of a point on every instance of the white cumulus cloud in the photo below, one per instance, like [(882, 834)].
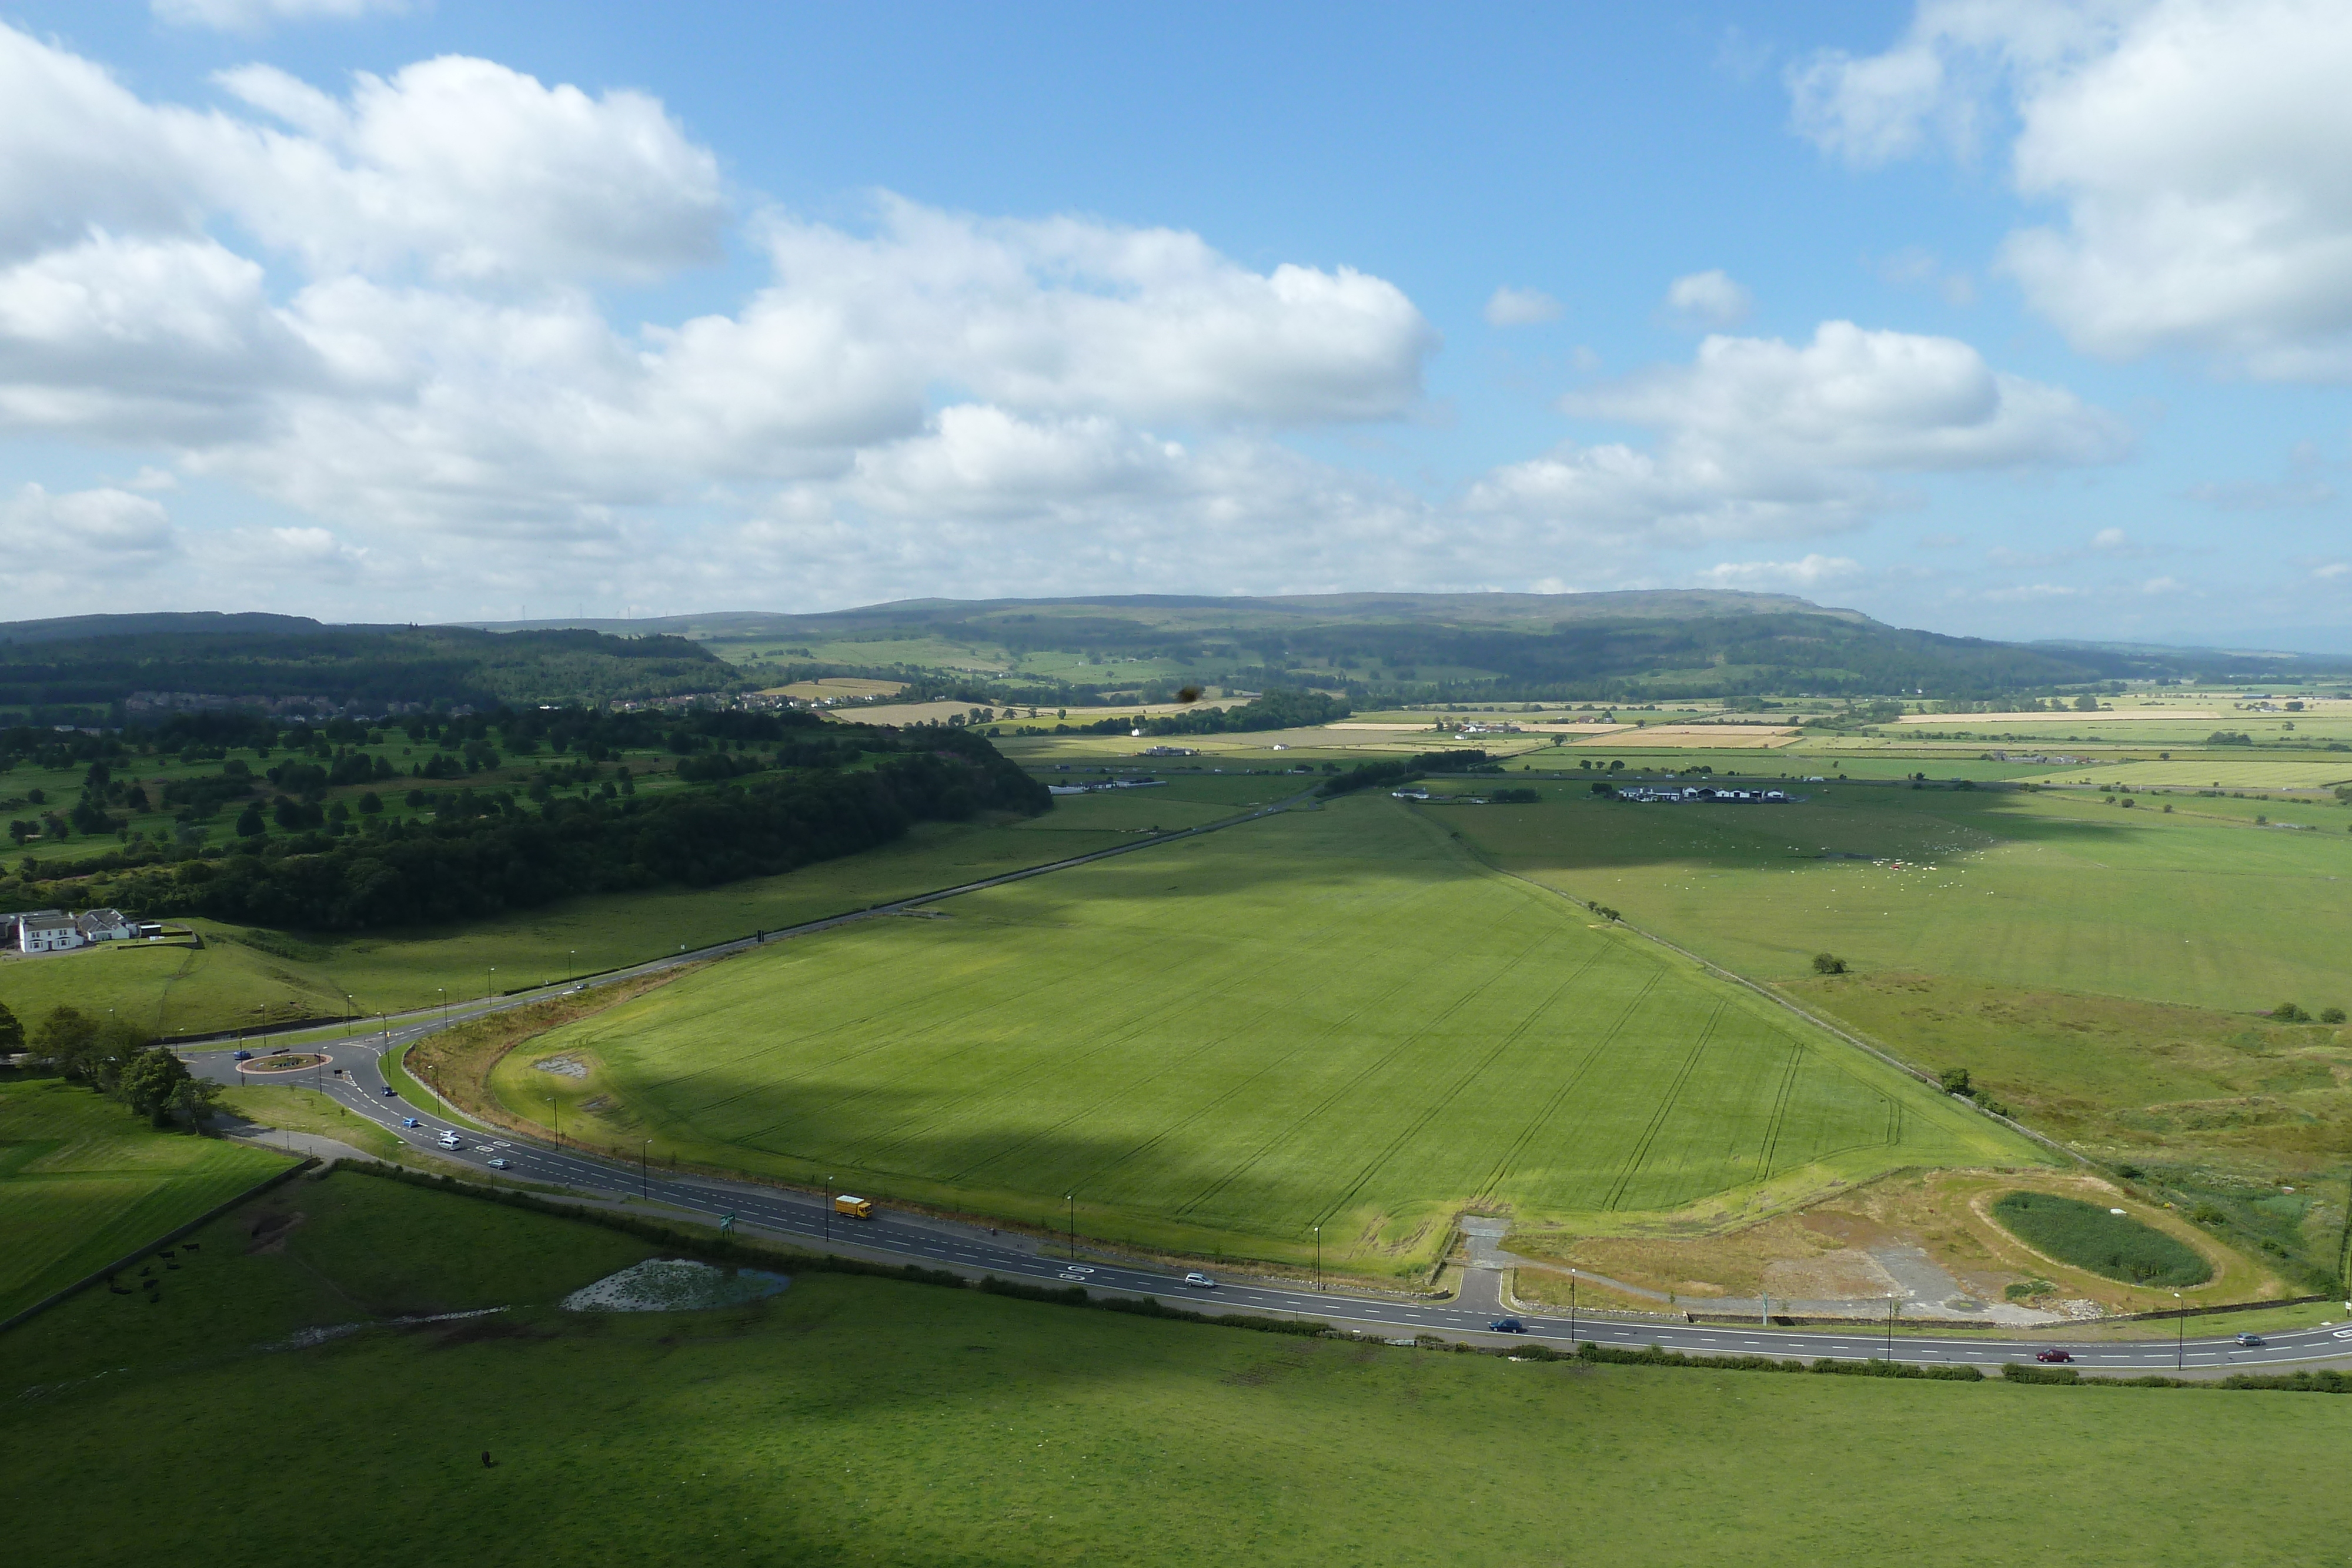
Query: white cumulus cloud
[(2190, 146), (1708, 299), (1759, 437), (1509, 307), (1814, 570)]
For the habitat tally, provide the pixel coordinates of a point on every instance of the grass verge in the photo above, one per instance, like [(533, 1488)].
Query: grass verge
[(855, 1420)]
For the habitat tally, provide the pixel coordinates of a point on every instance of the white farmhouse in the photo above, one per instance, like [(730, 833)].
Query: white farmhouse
[(47, 931)]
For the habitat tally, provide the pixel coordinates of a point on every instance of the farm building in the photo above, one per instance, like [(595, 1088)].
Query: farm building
[(46, 931), (105, 925)]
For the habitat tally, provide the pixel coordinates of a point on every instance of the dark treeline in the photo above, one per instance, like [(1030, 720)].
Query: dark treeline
[(1384, 775), (1280, 708), (448, 666), (465, 866)]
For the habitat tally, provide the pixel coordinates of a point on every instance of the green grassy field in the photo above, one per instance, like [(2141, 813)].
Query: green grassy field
[(280, 1105), (861, 1421), (2035, 890), (1331, 1018), (2096, 969), (83, 1182), (229, 983)]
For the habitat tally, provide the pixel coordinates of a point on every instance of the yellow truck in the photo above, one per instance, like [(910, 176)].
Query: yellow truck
[(849, 1207)]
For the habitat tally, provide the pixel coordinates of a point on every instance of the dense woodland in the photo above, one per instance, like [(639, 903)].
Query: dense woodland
[(780, 790)]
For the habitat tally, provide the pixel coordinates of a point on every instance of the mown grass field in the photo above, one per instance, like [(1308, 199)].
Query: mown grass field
[(229, 985), (1333, 1018), (83, 1182), (861, 1421)]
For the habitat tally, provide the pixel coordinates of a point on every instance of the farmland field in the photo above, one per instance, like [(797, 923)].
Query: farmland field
[(82, 1182), (2040, 891), (2105, 973), (857, 1420), (227, 985), (1329, 1017)]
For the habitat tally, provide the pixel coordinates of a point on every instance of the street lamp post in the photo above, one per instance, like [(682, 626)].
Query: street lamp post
[(486, 981), (2179, 1334), (1571, 1309), (644, 1189), (1890, 1326), (1074, 1225), (828, 1207), (1318, 1256)]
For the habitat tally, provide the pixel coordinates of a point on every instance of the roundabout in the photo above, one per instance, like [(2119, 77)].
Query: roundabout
[(284, 1063)]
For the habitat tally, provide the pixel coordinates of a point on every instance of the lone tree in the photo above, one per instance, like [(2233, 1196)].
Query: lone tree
[(1828, 964), (155, 1083), (12, 1032), (1955, 1081)]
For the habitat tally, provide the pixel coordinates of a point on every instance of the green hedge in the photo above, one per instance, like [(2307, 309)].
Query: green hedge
[(2113, 1245)]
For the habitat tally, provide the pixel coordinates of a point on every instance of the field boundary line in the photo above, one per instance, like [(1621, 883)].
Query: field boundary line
[(87, 1280), (1789, 1006)]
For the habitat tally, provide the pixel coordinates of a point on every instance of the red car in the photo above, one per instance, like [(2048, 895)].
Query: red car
[(2053, 1355)]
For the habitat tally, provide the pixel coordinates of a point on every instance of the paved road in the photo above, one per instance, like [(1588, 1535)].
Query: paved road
[(803, 1218)]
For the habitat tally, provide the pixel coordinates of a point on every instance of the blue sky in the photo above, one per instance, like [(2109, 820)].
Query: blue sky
[(2019, 320)]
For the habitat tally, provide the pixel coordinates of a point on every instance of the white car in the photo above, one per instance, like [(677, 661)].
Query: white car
[(498, 1165), (1200, 1281), (451, 1140)]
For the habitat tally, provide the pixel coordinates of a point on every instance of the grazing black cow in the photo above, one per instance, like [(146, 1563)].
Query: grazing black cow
[(486, 1460), (192, 1246)]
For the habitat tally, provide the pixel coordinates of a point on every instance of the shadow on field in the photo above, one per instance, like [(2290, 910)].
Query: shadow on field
[(1871, 823)]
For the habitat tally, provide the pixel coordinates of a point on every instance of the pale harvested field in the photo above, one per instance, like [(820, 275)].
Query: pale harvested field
[(1698, 737), (2199, 716), (836, 686)]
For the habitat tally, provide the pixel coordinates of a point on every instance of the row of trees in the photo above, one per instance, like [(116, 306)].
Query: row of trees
[(117, 1059), (466, 868)]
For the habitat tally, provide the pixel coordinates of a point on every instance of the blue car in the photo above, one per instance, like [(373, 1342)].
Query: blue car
[(387, 1090), (1506, 1326), (242, 1056), (410, 1121)]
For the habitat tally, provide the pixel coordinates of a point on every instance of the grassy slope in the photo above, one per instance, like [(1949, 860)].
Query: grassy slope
[(277, 1105), (82, 1182), (179, 990), (1332, 1018), (859, 1421)]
